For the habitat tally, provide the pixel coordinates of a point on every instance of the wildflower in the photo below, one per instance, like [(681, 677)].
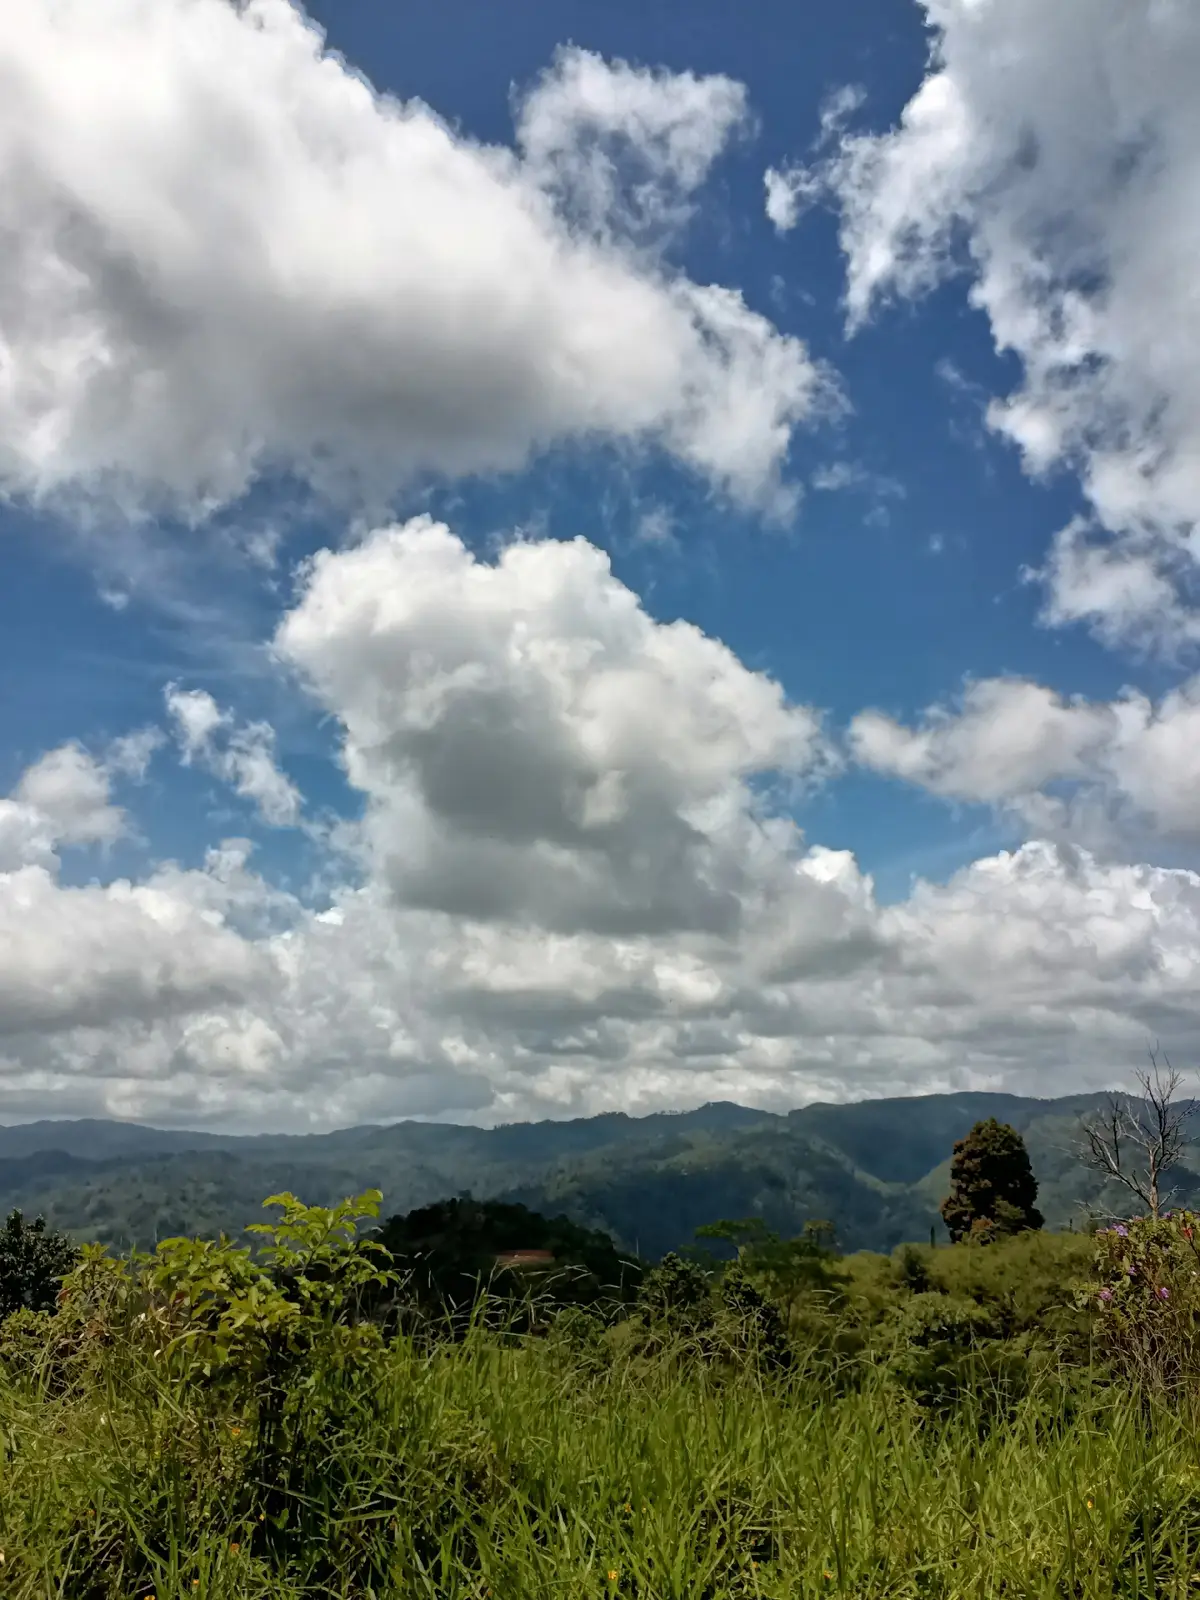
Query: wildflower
[(235, 1431), (829, 1576), (1091, 1505), (1106, 1295), (1163, 1292), (612, 1575), (1122, 1230), (234, 1547)]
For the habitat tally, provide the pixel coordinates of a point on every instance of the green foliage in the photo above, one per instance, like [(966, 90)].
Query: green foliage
[(218, 1306), (1148, 1298), (749, 1327), (582, 1465), (912, 1269), (34, 1260), (949, 1348), (448, 1253), (676, 1295), (992, 1187), (795, 1272)]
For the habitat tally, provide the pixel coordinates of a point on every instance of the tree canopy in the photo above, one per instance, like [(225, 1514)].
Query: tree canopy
[(992, 1187), (34, 1260)]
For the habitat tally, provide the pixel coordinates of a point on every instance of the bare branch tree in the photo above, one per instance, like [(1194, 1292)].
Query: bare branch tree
[(1137, 1143)]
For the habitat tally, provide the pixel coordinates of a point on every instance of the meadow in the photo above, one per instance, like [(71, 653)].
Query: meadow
[(945, 1422)]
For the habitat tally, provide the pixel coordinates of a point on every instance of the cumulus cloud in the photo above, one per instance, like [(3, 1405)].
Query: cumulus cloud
[(1052, 153), (1016, 743), (252, 262), (579, 886), (1035, 969), (64, 798), (532, 744), (105, 955), (70, 790), (114, 955), (243, 757)]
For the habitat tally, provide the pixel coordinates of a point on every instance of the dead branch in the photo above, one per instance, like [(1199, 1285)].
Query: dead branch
[(1137, 1143)]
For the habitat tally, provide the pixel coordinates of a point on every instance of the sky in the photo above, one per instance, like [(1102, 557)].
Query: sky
[(595, 557)]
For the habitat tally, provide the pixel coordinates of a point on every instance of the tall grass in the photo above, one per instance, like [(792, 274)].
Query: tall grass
[(542, 1468)]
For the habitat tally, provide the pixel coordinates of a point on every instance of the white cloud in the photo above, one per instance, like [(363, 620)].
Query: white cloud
[(578, 890), (790, 193), (624, 145), (103, 955), (114, 955), (531, 743), (1064, 763), (131, 754), (1053, 153), (224, 254), (243, 757), (63, 798), (1008, 738)]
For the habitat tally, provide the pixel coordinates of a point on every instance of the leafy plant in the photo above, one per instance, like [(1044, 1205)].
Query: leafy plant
[(1148, 1299), (948, 1347), (34, 1260), (992, 1187)]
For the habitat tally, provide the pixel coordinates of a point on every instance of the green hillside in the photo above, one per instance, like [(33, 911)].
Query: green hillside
[(876, 1169)]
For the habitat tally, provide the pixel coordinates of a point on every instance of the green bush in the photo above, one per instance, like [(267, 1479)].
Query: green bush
[(1146, 1298), (206, 1422), (947, 1348), (34, 1260)]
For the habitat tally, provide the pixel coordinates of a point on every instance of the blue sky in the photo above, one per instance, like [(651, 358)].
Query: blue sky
[(924, 552)]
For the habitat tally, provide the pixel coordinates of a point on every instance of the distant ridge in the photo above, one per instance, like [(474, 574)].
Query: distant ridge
[(875, 1168)]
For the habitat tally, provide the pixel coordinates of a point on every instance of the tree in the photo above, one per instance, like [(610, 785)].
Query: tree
[(1137, 1143), (992, 1186), (451, 1252), (792, 1271), (33, 1263)]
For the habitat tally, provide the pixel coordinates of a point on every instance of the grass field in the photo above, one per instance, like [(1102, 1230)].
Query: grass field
[(538, 1470), (944, 1423)]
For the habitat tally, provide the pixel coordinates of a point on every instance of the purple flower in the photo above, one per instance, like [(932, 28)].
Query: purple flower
[(1121, 1229), (1106, 1295), (1163, 1292)]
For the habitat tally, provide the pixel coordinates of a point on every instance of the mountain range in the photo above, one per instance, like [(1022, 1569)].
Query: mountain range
[(876, 1169)]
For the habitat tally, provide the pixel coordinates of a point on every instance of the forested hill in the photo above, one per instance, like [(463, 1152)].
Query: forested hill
[(876, 1169)]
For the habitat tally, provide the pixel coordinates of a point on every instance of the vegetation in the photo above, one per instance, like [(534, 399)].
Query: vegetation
[(475, 1400), (880, 1168), (992, 1186), (34, 1260)]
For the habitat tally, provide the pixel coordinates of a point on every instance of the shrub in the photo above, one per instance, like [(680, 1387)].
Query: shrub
[(676, 1294), (948, 1347), (34, 1260), (1147, 1301), (748, 1327)]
